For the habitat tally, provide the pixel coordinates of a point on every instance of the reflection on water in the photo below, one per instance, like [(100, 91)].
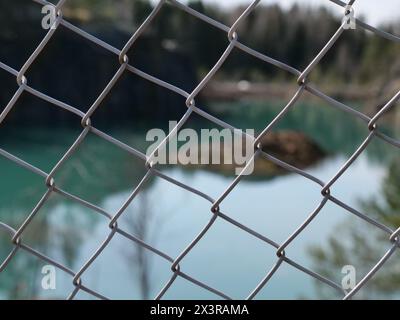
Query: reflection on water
[(168, 217)]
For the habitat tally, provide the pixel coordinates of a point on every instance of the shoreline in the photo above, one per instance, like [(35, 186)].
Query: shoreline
[(230, 90)]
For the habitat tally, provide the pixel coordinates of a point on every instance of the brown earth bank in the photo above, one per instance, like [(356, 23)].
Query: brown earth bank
[(291, 147)]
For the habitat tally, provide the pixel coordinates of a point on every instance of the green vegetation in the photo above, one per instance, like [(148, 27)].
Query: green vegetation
[(180, 49), (357, 243), (293, 36)]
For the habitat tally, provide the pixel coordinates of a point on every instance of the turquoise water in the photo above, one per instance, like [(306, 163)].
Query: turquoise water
[(168, 217)]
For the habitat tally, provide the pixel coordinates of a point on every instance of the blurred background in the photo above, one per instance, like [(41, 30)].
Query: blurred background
[(361, 70)]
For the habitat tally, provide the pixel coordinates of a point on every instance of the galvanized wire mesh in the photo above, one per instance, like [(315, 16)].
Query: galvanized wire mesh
[(85, 119)]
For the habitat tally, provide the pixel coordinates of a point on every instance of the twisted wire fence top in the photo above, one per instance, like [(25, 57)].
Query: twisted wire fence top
[(16, 235)]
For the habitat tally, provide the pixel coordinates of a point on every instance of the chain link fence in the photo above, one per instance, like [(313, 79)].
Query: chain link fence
[(16, 235)]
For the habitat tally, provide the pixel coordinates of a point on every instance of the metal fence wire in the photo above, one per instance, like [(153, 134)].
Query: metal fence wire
[(151, 170)]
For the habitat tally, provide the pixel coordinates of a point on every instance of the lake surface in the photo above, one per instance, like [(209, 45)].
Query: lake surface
[(169, 217)]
